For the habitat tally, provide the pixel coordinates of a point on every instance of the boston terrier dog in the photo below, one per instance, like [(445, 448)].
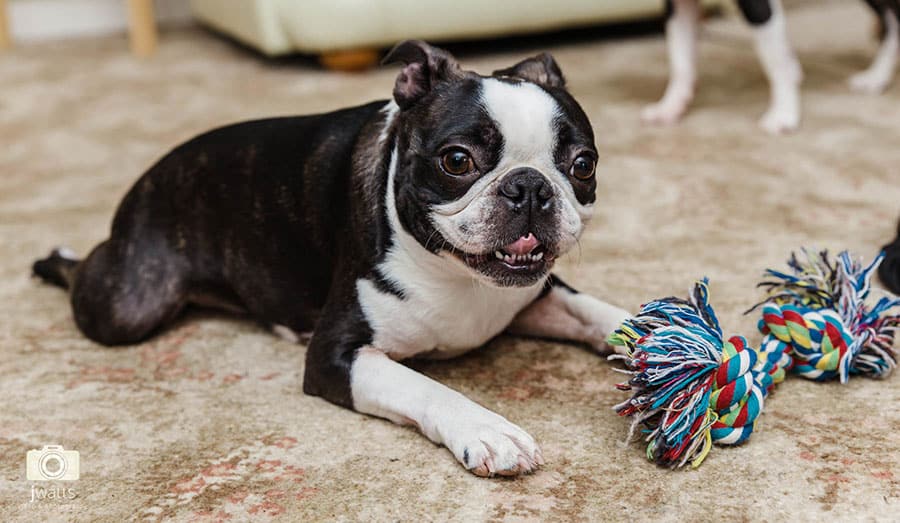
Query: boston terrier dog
[(775, 53), (418, 227)]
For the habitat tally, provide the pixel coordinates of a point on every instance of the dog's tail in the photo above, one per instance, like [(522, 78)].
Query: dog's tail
[(58, 268), (889, 271)]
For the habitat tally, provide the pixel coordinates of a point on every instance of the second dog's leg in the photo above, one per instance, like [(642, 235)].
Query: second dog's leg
[(778, 61), (878, 76), (681, 37)]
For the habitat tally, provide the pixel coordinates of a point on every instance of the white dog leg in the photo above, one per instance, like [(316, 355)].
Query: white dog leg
[(879, 75), (484, 442), (681, 36), (783, 70), (568, 315)]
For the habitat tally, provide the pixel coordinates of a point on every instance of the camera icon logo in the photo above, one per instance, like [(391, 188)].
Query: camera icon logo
[(52, 462)]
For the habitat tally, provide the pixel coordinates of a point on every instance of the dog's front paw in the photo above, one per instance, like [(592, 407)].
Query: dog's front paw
[(599, 320), (666, 112), (600, 344), (499, 448), (780, 120), (869, 82), (488, 445)]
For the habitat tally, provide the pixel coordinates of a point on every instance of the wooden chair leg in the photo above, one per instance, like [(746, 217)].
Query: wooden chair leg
[(142, 23), (349, 60), (5, 38)]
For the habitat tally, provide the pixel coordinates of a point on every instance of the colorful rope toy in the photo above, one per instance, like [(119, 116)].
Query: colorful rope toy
[(692, 387), (819, 310)]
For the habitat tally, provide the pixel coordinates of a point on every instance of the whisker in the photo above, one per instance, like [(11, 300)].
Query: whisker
[(430, 236)]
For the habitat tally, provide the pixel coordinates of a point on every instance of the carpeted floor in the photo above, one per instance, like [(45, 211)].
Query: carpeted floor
[(208, 420)]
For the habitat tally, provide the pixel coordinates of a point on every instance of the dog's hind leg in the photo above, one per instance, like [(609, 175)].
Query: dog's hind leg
[(120, 294), (879, 75), (682, 29), (779, 62), (58, 268)]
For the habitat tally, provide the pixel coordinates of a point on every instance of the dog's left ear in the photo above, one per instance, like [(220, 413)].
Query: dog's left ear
[(541, 69)]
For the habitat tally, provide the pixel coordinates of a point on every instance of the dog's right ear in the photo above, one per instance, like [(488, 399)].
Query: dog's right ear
[(541, 69), (424, 67)]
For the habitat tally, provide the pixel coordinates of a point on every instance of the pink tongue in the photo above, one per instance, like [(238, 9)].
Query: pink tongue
[(523, 245)]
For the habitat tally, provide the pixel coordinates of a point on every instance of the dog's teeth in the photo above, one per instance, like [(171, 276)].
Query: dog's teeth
[(518, 259)]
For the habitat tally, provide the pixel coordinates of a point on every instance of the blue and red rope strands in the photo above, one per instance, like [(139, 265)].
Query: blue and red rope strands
[(819, 312), (691, 387)]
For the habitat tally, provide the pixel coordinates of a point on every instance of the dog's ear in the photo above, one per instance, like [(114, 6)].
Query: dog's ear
[(541, 69), (424, 67)]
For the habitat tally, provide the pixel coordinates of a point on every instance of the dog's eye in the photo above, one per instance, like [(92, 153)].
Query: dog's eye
[(457, 163), (583, 167)]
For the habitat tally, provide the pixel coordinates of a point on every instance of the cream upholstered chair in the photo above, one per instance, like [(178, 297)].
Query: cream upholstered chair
[(348, 33)]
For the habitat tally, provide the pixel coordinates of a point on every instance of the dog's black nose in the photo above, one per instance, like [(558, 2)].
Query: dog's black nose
[(526, 188)]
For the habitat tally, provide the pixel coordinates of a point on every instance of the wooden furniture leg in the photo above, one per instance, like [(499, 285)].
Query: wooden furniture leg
[(5, 38), (350, 60), (142, 31)]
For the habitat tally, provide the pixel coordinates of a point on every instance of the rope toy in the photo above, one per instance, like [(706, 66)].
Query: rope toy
[(692, 388), (818, 312)]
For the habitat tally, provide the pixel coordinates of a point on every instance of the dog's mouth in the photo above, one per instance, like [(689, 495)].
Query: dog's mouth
[(523, 254), (517, 263)]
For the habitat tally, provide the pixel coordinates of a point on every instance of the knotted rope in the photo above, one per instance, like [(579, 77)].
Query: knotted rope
[(692, 388), (818, 310)]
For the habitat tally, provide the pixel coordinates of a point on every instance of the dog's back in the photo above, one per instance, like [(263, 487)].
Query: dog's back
[(241, 218)]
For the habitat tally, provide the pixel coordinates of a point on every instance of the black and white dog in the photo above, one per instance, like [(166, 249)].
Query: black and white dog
[(418, 227), (777, 57)]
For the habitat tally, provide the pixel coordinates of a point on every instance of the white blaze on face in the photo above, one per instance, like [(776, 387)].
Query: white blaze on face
[(525, 114), (526, 117)]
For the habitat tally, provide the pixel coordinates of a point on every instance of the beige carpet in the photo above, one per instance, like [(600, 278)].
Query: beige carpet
[(208, 422)]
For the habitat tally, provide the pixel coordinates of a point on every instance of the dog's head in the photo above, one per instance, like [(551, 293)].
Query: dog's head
[(495, 173)]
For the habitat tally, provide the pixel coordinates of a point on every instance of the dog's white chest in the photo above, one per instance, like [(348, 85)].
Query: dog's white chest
[(443, 318)]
